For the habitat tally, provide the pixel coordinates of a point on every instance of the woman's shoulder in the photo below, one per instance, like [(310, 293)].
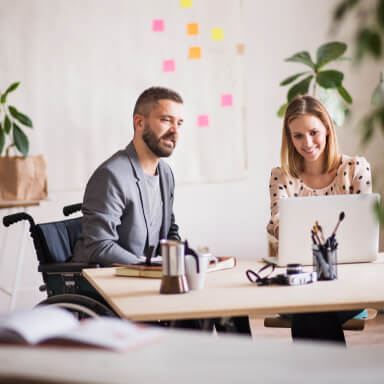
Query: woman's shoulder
[(277, 173), (280, 177), (355, 162)]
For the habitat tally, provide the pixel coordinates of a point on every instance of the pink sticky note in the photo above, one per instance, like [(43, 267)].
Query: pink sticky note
[(226, 100), (158, 25), (202, 121), (169, 66)]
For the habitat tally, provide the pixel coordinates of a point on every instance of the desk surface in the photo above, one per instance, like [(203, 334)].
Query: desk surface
[(19, 203), (195, 357), (229, 293)]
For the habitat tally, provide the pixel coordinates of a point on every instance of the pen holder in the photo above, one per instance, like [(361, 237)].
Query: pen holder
[(325, 262)]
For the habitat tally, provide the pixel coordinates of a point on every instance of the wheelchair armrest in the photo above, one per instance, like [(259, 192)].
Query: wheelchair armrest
[(65, 267)]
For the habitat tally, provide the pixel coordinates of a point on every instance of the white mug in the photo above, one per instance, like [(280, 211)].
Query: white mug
[(196, 280)]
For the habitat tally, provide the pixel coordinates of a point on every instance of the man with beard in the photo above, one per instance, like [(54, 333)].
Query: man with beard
[(128, 201)]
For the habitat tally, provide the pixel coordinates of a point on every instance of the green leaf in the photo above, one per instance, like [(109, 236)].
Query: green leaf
[(379, 210), (342, 9), (282, 109), (21, 140), (10, 89), (380, 13), (378, 95), (292, 78), (379, 116), (302, 57), (368, 42), (344, 94), (368, 130), (300, 88), (344, 58), (329, 52), (334, 105), (2, 140), (7, 125), (20, 117), (330, 79)]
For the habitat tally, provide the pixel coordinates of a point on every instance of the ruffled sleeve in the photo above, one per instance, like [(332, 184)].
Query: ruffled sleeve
[(361, 179), (277, 190)]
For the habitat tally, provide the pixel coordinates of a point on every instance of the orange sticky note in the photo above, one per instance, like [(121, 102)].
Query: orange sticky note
[(217, 33), (240, 49), (195, 53), (186, 3), (192, 29)]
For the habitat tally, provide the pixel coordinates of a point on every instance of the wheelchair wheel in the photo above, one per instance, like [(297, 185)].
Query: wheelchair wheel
[(82, 306)]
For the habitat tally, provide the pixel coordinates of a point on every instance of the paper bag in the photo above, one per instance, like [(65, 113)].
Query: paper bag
[(23, 178)]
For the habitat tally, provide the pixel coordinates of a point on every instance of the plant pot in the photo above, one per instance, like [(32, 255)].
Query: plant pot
[(23, 178)]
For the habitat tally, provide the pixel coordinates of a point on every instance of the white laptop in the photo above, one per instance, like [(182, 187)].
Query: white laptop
[(357, 235)]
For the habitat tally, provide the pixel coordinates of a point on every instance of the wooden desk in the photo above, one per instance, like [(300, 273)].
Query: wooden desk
[(229, 293), (196, 357)]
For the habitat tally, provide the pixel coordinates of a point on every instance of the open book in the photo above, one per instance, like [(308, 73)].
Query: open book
[(50, 325), (155, 271)]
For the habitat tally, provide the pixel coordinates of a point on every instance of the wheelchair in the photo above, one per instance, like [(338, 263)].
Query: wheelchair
[(63, 280), (64, 283)]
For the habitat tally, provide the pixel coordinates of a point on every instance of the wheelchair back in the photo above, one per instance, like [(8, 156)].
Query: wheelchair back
[(54, 243)]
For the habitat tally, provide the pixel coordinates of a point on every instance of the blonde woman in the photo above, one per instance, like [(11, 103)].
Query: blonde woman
[(311, 165)]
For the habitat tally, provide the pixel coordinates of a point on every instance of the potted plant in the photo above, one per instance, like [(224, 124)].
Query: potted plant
[(326, 84), (21, 177), (368, 42)]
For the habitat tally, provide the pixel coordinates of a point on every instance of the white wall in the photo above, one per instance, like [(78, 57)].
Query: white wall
[(230, 218)]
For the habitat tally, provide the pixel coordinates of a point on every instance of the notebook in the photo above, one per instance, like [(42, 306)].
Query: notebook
[(357, 235)]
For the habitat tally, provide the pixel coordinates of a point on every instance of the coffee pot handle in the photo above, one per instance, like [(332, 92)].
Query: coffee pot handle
[(192, 252)]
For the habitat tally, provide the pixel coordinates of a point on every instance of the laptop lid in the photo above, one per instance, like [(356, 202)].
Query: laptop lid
[(357, 235)]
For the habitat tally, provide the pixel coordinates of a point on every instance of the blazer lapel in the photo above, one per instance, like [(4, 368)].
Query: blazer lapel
[(165, 195), (144, 198)]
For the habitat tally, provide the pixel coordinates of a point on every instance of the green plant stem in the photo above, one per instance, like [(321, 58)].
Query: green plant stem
[(8, 149), (314, 88)]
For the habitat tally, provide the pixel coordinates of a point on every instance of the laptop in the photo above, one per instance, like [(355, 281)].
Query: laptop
[(357, 235)]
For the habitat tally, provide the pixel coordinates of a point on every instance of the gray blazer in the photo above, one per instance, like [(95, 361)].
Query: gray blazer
[(116, 208)]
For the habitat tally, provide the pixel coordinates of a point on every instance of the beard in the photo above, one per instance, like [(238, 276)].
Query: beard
[(155, 143)]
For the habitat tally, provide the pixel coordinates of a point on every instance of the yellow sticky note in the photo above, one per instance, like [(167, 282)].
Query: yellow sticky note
[(217, 33), (186, 3), (195, 53), (192, 29)]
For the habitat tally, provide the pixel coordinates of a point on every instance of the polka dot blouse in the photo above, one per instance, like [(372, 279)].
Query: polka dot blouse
[(353, 176)]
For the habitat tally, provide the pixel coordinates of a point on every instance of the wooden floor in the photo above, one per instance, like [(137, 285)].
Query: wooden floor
[(373, 332)]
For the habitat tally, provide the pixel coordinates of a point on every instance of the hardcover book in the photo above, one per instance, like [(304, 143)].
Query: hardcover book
[(155, 271)]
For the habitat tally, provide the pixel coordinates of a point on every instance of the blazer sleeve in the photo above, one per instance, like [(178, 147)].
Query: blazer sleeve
[(103, 206)]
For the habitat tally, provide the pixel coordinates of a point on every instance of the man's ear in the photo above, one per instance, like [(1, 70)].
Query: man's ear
[(138, 121)]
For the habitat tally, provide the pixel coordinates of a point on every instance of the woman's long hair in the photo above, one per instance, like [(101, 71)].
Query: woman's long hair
[(292, 163)]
